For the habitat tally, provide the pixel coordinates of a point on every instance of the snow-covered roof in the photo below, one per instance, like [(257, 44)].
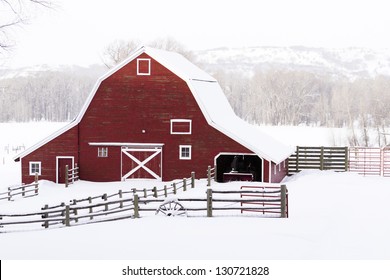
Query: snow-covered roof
[(211, 100)]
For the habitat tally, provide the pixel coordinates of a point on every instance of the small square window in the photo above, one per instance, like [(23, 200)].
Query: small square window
[(35, 167), (185, 152), (143, 66), (103, 152)]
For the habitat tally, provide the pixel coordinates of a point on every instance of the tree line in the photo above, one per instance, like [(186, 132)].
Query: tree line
[(273, 96)]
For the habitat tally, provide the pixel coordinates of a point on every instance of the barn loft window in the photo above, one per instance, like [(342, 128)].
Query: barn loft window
[(143, 66), (185, 152), (35, 167), (102, 152), (180, 126)]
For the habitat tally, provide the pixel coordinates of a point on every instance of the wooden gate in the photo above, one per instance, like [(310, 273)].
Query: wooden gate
[(141, 162)]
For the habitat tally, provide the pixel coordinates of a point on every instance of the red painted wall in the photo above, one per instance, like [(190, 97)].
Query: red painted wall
[(125, 105), (278, 172), (64, 145), (131, 108)]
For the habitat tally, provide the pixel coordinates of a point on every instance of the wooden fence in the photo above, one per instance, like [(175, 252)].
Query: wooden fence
[(130, 204), (322, 158), (72, 175), (25, 190), (211, 175), (121, 205)]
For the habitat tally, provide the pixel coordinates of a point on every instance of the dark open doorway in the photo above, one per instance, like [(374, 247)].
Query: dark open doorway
[(240, 163)]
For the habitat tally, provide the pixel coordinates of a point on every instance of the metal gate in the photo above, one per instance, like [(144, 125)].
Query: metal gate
[(369, 161)]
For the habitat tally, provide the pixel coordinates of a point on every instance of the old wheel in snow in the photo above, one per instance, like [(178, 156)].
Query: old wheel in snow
[(171, 209)]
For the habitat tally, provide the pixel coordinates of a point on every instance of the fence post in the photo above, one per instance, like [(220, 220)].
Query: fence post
[(105, 199), (184, 184), (120, 197), (145, 194), (66, 176), (90, 207), (23, 190), (136, 206), (75, 211), (322, 158), (283, 191), (297, 160), (346, 158), (36, 183), (44, 216), (67, 218), (174, 188), (165, 191), (155, 191), (192, 179), (209, 202), (209, 176), (9, 194)]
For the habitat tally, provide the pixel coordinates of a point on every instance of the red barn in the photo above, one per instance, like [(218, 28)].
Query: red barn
[(157, 116)]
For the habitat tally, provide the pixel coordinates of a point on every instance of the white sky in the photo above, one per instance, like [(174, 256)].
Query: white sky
[(78, 31)]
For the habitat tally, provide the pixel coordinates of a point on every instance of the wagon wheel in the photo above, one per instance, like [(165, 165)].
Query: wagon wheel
[(171, 209)]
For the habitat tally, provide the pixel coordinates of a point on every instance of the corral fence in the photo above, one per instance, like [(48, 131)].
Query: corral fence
[(210, 175), (322, 158), (102, 208), (370, 161), (362, 160), (25, 190), (130, 204)]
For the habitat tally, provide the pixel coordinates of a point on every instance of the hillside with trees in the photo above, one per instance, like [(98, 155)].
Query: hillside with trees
[(271, 93)]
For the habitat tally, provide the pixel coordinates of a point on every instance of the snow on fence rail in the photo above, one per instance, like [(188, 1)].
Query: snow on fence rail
[(97, 209), (130, 204), (25, 190)]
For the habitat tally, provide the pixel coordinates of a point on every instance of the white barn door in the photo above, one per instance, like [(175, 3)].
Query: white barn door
[(145, 163)]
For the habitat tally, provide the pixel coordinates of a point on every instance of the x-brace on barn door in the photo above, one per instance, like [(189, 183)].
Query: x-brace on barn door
[(145, 163)]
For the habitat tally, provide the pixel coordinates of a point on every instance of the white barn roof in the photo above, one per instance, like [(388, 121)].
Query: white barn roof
[(212, 101), (217, 109)]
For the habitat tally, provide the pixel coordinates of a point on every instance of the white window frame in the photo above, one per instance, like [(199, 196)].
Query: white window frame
[(173, 121), (139, 73), (102, 152), (31, 166), (181, 147)]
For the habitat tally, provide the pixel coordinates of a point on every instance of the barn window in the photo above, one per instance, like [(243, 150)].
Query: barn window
[(185, 152), (180, 126), (103, 152), (143, 66), (35, 167)]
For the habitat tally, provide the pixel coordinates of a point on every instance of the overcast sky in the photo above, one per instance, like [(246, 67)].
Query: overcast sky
[(78, 30)]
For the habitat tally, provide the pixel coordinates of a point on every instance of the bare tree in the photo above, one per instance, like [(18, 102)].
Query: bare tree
[(14, 13), (119, 50)]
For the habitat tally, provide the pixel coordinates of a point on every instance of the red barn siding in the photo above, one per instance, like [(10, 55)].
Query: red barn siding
[(278, 172), (138, 109), (131, 108), (65, 144)]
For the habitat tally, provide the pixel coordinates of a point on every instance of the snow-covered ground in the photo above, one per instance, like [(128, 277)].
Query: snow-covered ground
[(332, 216)]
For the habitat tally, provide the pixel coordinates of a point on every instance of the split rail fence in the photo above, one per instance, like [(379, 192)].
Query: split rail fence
[(72, 175), (25, 190), (130, 204)]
